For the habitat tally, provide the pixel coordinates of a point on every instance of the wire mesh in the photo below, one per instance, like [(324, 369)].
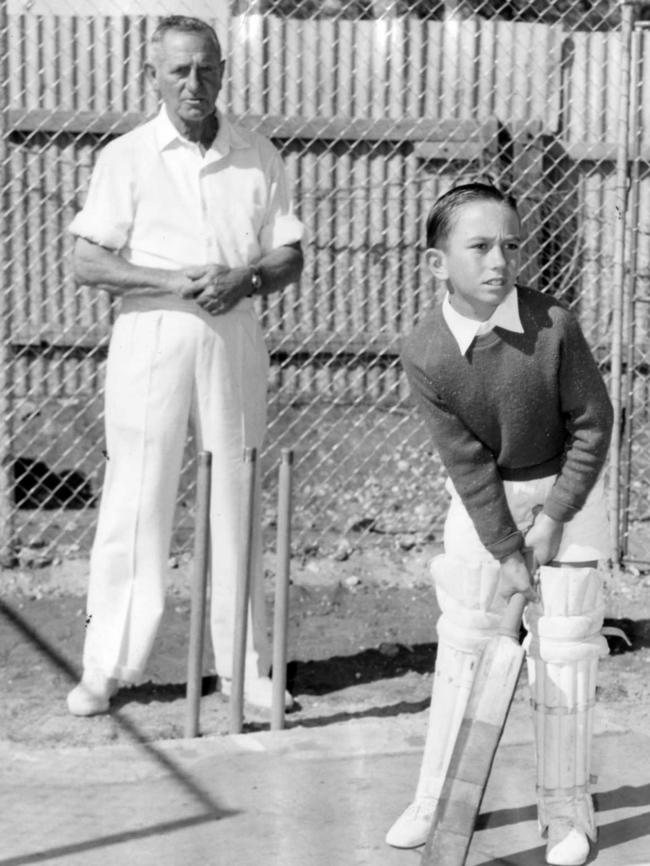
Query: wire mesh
[(377, 107)]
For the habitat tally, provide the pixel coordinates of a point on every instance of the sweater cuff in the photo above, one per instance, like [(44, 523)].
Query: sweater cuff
[(559, 511), (506, 546)]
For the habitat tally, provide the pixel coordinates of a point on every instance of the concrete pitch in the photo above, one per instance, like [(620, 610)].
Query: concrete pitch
[(304, 797)]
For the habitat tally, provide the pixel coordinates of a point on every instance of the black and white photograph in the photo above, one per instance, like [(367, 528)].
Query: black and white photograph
[(325, 433)]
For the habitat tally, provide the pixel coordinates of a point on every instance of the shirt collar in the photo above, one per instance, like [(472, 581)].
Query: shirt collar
[(464, 330), (227, 137)]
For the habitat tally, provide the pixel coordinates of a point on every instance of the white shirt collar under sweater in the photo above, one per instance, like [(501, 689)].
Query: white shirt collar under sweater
[(464, 330)]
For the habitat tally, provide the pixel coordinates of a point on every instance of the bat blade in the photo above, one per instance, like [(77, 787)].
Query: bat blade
[(471, 761)]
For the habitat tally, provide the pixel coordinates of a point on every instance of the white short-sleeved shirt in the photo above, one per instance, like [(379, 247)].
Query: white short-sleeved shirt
[(159, 202)]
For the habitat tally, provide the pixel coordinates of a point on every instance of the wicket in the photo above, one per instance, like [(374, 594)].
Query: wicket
[(283, 567), (199, 589), (243, 593), (199, 586)]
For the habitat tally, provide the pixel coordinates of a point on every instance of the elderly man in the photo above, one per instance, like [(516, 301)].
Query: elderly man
[(187, 218)]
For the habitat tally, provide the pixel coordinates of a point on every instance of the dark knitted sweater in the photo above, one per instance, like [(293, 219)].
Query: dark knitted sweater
[(515, 407)]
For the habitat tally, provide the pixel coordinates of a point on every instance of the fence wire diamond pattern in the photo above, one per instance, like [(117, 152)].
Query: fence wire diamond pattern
[(377, 107)]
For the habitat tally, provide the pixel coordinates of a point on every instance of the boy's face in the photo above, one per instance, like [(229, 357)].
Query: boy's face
[(480, 259)]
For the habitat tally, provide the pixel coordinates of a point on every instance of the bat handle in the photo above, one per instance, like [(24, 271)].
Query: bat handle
[(511, 619)]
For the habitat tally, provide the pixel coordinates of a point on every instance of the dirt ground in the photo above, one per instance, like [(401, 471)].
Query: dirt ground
[(361, 643)]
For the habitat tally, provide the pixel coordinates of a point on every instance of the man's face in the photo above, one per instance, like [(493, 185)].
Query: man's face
[(480, 259), (187, 71)]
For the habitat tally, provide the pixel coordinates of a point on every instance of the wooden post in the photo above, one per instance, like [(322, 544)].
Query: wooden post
[(198, 595), (242, 596), (283, 570), (7, 554)]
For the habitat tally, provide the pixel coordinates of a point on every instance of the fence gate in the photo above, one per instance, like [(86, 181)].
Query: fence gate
[(377, 107)]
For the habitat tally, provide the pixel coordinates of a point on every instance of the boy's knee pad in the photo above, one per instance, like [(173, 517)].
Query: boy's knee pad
[(565, 626), (564, 644), (468, 599)]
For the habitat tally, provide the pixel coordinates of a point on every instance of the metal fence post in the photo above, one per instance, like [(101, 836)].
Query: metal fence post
[(622, 160), (7, 556), (629, 316)]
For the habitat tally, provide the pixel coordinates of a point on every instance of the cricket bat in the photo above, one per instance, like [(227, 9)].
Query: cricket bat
[(480, 731)]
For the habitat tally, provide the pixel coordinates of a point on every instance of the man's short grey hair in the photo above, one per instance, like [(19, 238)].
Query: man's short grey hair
[(183, 24)]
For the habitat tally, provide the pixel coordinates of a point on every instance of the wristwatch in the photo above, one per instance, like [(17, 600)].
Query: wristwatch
[(256, 280)]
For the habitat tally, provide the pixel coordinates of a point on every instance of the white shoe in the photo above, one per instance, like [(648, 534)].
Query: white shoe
[(258, 691), (412, 827), (566, 846), (93, 694)]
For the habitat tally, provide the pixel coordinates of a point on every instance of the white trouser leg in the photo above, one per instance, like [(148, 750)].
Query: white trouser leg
[(148, 393), (227, 422), (471, 611), (164, 365), (564, 644)]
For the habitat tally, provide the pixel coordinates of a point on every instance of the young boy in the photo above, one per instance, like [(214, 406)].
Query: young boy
[(521, 418)]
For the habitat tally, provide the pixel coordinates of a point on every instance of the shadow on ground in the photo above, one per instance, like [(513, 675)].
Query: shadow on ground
[(339, 672), (314, 678), (610, 833), (369, 651)]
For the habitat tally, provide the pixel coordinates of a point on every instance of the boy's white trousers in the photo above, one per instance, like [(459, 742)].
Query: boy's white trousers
[(170, 363)]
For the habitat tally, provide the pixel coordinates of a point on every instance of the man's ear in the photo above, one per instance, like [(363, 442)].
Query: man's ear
[(152, 76), (437, 262)]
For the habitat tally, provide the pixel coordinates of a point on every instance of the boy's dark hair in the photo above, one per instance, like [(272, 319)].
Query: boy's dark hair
[(184, 24), (440, 217)]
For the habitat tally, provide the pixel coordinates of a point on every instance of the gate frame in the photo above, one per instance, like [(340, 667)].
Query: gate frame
[(7, 518)]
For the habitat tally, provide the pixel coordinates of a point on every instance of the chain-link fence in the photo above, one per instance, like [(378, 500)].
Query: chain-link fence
[(377, 107)]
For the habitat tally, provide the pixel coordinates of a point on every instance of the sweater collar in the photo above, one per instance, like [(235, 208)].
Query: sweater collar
[(464, 330)]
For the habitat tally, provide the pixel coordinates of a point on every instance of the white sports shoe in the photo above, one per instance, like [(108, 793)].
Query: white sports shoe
[(258, 691), (412, 827), (566, 846), (93, 694)]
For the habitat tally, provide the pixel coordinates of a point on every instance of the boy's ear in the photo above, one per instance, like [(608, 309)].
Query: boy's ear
[(437, 261)]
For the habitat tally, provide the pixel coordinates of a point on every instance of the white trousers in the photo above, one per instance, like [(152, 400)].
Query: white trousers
[(585, 537), (171, 364)]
